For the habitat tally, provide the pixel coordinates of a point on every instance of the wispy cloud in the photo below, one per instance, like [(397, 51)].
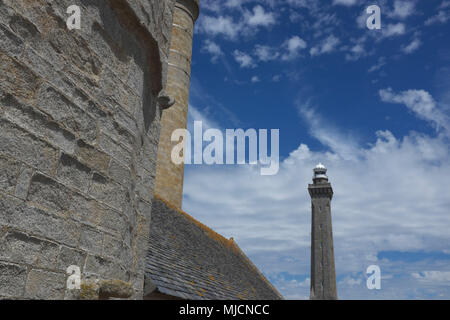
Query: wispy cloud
[(213, 49), (377, 66), (413, 46), (421, 103), (345, 2), (440, 18), (328, 45), (244, 59)]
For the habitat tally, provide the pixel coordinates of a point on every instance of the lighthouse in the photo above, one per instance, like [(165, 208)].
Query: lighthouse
[(323, 274)]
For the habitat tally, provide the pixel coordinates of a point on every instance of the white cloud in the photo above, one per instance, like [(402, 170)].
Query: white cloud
[(259, 17), (345, 2), (380, 63), (388, 195), (441, 17), (291, 49), (276, 78), (211, 5), (213, 49), (445, 4), (328, 45), (402, 9), (244, 23), (419, 102), (266, 53), (413, 46), (221, 25), (356, 52), (435, 277), (244, 60), (294, 16), (255, 79), (196, 114), (342, 145), (234, 3), (361, 20), (350, 282), (391, 30), (293, 46), (312, 4)]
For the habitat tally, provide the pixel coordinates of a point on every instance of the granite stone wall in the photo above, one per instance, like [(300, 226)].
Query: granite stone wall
[(79, 131)]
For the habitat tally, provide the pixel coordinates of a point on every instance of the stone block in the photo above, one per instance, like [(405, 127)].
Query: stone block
[(125, 119), (23, 181), (105, 268), (38, 123), (115, 221), (10, 43), (20, 248), (9, 169), (45, 285), (92, 157), (113, 87), (113, 247), (68, 257), (145, 183), (17, 79), (20, 144), (120, 173), (20, 215), (12, 279), (48, 255), (77, 51), (86, 209), (47, 67), (114, 149), (73, 173), (108, 191), (49, 193), (91, 240), (63, 111)]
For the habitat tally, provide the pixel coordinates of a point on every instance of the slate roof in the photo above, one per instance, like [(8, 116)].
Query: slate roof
[(188, 260)]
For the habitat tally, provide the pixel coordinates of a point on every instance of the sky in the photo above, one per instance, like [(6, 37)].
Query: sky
[(372, 105)]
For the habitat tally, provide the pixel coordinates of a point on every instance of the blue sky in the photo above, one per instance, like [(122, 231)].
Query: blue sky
[(372, 105)]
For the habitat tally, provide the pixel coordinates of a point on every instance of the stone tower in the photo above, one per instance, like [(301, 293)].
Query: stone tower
[(323, 274), (79, 122), (169, 177)]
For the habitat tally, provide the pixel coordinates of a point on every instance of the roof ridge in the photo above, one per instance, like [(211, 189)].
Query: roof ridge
[(211, 233)]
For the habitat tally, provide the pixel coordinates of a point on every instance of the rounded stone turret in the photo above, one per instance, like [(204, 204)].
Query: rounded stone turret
[(169, 176)]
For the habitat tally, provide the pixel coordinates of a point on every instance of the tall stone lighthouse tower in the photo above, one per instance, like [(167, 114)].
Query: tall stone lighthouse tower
[(323, 274), (169, 177)]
